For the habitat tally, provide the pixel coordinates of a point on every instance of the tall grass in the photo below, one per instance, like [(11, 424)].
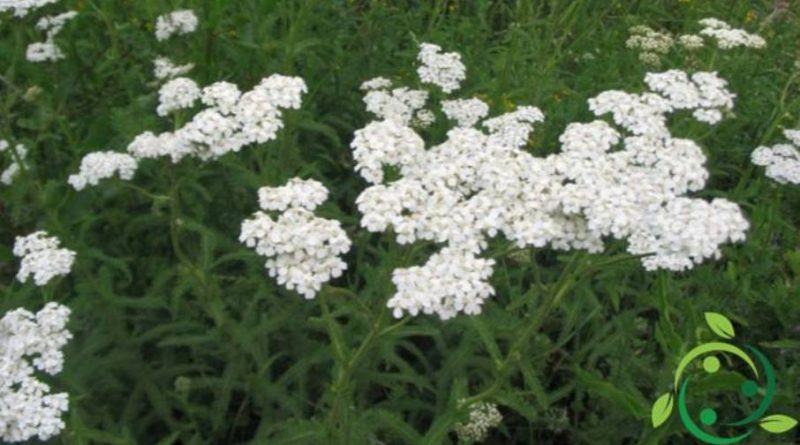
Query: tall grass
[(204, 348)]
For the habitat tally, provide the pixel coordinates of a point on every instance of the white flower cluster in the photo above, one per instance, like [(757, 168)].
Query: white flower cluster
[(483, 416), (165, 69), (101, 165), (691, 41), (782, 160), (377, 83), (466, 112), (401, 105), (230, 121), (653, 44), (22, 8), (31, 342), (179, 22), (444, 70), (605, 182), (11, 172), (302, 193), (451, 281), (728, 37), (705, 93), (303, 250), (42, 258), (514, 129), (177, 94), (48, 50)]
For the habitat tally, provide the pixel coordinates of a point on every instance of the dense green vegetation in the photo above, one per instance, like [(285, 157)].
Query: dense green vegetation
[(180, 335)]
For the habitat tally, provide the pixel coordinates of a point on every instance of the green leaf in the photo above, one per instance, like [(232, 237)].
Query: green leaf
[(777, 423), (627, 398), (720, 325), (661, 410)]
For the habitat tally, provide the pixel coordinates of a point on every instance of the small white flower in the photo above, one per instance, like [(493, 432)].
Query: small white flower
[(222, 95), (42, 258), (283, 91), (452, 281), (513, 129), (652, 60), (13, 169), (691, 41), (384, 143), (21, 8), (29, 343), (782, 160), (466, 112), (302, 193), (177, 94), (649, 41), (179, 22), (728, 37), (377, 83), (46, 51), (483, 416), (164, 68), (230, 121), (444, 70), (303, 250), (398, 105), (100, 165), (53, 24)]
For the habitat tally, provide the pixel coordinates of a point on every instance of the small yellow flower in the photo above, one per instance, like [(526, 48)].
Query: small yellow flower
[(751, 16)]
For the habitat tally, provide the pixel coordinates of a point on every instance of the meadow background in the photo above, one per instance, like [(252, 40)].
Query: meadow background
[(182, 338)]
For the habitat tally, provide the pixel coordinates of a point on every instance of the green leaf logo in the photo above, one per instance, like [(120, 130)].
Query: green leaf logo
[(720, 325), (661, 410), (777, 423)]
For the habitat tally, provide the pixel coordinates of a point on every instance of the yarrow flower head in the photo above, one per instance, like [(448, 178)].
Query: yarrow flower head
[(13, 169), (691, 41), (466, 112), (42, 258), (179, 22), (652, 45), (101, 165), (230, 121), (452, 281), (483, 416), (165, 69), (177, 94), (444, 70), (48, 50), (625, 181), (304, 251), (399, 104), (29, 343), (377, 83), (22, 8), (782, 160), (301, 193), (52, 25), (728, 37)]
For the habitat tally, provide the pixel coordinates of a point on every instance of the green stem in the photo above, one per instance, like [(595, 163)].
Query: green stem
[(338, 421), (565, 283)]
